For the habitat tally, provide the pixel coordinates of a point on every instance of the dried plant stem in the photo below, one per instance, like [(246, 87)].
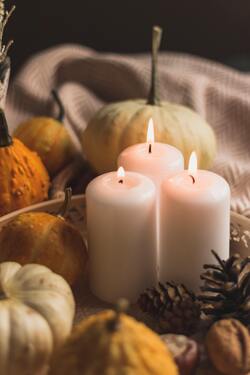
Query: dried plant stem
[(4, 18), (5, 138), (60, 105)]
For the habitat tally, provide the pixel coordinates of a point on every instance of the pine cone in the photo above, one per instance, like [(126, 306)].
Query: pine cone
[(174, 307), (226, 289)]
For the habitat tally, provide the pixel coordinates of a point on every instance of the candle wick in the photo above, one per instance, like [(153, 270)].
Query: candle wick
[(193, 179), (150, 148), (120, 181)]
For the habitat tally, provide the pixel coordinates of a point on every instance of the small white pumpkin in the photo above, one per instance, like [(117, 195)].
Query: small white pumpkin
[(36, 314)]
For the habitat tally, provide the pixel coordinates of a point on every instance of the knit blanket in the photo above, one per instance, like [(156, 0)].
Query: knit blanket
[(86, 80)]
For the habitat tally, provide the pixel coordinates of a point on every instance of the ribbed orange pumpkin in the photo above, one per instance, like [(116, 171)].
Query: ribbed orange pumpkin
[(23, 177), (49, 138)]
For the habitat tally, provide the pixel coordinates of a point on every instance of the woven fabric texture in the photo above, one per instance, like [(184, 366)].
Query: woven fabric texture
[(87, 79)]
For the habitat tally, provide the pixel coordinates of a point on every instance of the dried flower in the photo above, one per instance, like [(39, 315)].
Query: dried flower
[(4, 18)]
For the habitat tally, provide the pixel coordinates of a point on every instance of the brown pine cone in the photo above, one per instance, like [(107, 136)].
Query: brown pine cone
[(226, 289), (173, 306)]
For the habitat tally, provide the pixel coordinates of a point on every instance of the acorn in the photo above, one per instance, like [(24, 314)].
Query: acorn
[(49, 138)]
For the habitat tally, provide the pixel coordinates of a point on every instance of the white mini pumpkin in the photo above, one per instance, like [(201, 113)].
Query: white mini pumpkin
[(36, 314)]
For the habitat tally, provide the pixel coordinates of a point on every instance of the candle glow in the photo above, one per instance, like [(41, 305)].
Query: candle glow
[(120, 174), (192, 166), (150, 134)]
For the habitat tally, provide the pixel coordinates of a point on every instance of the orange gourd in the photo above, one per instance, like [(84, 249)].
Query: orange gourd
[(46, 239), (49, 138), (113, 343), (23, 178)]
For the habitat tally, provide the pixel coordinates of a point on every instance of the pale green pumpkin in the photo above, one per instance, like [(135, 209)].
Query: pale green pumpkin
[(122, 124)]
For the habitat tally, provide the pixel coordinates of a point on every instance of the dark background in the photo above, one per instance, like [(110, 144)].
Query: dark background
[(217, 29)]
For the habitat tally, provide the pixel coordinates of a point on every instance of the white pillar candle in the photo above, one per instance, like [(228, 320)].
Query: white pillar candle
[(121, 235), (156, 161), (195, 218), (152, 159)]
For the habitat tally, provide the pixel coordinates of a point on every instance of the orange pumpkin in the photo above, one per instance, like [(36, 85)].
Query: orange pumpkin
[(112, 343), (23, 178), (50, 240), (49, 138)]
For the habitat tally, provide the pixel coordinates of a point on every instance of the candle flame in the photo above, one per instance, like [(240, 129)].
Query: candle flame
[(120, 173), (150, 133), (192, 166)]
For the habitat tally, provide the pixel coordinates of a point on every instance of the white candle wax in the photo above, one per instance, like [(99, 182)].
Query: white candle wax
[(195, 218), (163, 160), (121, 235), (156, 161)]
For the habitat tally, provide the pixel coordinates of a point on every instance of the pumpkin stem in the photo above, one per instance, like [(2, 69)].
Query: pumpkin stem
[(67, 201), (156, 41), (120, 307), (2, 296), (5, 138), (59, 103)]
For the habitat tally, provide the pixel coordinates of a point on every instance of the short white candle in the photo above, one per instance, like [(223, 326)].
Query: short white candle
[(195, 218), (121, 235), (153, 159)]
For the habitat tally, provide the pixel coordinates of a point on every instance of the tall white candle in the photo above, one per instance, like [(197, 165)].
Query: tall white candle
[(195, 217), (121, 235), (155, 160), (152, 159)]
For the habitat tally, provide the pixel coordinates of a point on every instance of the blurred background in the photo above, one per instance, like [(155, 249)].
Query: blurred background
[(215, 29)]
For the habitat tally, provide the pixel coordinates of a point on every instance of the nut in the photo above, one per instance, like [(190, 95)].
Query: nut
[(184, 351), (228, 346)]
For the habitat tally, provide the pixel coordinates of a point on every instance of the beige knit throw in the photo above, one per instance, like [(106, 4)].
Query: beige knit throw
[(87, 79)]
